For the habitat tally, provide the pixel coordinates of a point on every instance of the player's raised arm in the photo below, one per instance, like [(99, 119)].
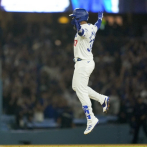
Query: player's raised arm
[(99, 21)]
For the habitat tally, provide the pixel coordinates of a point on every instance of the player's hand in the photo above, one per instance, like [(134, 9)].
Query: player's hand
[(100, 15), (77, 25)]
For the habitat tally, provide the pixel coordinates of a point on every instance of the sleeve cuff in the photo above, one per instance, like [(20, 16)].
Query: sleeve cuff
[(81, 32)]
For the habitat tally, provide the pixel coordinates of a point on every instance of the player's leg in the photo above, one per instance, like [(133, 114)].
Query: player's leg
[(103, 99), (80, 82), (79, 85), (96, 96), (82, 93)]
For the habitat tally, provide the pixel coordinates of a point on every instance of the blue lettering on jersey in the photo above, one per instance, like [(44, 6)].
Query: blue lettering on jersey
[(88, 50), (92, 35), (92, 38)]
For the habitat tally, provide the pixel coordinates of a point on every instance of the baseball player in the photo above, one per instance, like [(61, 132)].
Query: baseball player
[(84, 64)]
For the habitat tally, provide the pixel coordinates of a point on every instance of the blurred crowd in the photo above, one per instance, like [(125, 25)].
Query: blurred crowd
[(37, 63)]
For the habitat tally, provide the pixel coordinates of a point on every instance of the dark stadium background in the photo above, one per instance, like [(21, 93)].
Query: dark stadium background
[(37, 103)]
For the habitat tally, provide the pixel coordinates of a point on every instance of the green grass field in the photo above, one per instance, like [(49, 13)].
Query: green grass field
[(121, 145)]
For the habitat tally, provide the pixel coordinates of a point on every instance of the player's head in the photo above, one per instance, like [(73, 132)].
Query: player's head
[(80, 15)]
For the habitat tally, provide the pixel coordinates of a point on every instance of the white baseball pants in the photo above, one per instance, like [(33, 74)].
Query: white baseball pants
[(82, 72)]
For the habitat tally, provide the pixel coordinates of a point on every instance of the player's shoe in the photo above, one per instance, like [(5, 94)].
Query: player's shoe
[(106, 105), (91, 125)]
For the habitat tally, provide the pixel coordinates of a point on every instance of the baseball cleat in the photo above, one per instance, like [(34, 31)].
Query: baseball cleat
[(106, 105), (91, 126)]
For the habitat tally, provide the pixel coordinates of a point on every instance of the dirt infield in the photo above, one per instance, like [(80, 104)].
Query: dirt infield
[(121, 145)]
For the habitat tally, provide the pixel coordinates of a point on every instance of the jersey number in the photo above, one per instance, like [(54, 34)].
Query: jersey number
[(75, 42)]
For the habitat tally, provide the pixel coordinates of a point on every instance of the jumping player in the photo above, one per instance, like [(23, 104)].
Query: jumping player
[(84, 64)]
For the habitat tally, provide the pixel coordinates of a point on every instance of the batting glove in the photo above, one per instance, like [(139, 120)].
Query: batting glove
[(100, 15)]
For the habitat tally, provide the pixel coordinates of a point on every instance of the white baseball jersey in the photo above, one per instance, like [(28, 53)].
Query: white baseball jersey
[(83, 44)]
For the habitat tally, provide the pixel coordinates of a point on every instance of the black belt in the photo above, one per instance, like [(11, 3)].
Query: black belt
[(78, 59)]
